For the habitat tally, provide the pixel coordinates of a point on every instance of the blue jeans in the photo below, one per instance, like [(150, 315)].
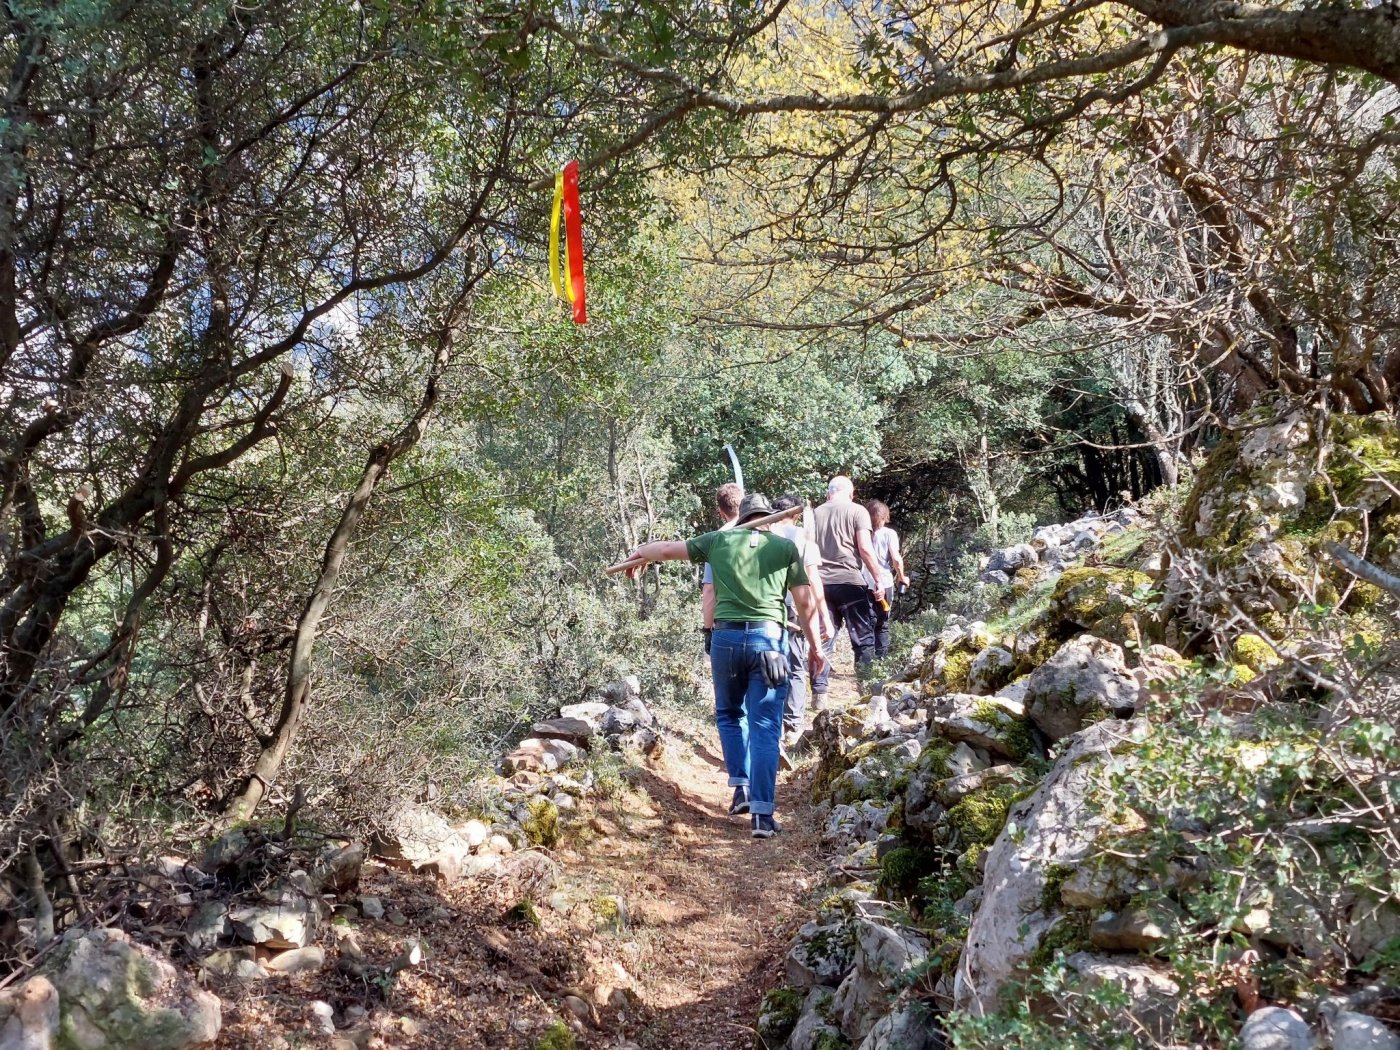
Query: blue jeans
[(748, 713)]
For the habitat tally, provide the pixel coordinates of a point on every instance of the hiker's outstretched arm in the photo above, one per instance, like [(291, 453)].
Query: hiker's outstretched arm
[(661, 550)]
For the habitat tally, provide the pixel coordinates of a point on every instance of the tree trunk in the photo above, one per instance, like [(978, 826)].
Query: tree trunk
[(297, 696)]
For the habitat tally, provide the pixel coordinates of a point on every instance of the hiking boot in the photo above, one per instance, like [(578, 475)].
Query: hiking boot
[(740, 805), (764, 826)]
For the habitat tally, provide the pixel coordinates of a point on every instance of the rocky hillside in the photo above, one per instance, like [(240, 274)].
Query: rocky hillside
[(1149, 800)]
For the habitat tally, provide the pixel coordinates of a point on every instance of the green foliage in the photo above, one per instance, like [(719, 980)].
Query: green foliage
[(777, 1015), (521, 913), (903, 868), (541, 826), (556, 1037), (937, 893), (979, 818)]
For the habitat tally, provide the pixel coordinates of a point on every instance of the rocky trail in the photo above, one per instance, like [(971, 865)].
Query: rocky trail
[(659, 923)]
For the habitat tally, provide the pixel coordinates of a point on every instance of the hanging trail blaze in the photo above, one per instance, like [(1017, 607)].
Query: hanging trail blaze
[(567, 280)]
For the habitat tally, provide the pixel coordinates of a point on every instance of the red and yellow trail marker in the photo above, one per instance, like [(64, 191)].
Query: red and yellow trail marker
[(567, 276)]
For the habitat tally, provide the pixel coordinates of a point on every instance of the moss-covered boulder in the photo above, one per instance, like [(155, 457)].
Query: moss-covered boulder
[(1256, 653), (990, 670), (880, 775), (1272, 495), (1097, 599), (949, 661), (124, 996), (777, 1016), (541, 823), (988, 722), (821, 953), (1056, 830), (979, 818), (1086, 681)]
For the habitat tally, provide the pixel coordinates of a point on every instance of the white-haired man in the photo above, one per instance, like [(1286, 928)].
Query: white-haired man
[(842, 532)]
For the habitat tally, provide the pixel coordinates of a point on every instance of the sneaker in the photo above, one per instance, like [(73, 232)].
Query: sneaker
[(740, 805), (764, 826)]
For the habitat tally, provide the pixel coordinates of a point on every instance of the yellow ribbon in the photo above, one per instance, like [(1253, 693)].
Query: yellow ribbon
[(554, 263)]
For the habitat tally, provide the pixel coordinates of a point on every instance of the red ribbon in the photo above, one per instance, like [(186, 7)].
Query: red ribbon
[(573, 240)]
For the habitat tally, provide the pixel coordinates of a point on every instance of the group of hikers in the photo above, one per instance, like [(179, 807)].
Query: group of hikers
[(775, 597)]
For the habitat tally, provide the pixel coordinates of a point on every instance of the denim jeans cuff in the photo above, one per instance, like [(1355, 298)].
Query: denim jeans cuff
[(738, 782), (761, 808)]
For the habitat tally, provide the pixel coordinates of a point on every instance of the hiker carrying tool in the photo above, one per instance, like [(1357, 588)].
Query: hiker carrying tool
[(753, 571), (727, 499)]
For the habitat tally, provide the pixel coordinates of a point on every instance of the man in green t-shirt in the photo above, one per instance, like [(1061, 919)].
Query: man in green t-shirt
[(753, 571)]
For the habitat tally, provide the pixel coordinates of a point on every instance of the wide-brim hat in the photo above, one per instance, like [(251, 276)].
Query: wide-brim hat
[(754, 505)]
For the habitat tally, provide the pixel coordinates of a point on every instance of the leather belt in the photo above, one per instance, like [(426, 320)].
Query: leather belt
[(743, 625)]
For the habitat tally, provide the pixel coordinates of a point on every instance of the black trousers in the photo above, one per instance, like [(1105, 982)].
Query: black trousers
[(852, 608), (882, 625)]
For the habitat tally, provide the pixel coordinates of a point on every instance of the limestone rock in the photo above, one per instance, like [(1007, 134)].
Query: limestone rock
[(991, 669), (476, 832), (29, 1015), (297, 960), (814, 1030), (371, 907), (286, 923), (116, 995), (576, 731), (908, 1026), (821, 954), (226, 849), (590, 711), (1056, 827), (1153, 996), (420, 839), (882, 953), (338, 870), (859, 823), (1275, 1028), (1354, 1031), (953, 790), (322, 1017), (209, 924), (1085, 680), (1010, 559), (531, 755), (1095, 599), (983, 721), (622, 691), (1136, 929), (1096, 884), (923, 813), (241, 961)]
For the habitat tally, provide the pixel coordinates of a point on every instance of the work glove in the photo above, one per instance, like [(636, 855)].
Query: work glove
[(709, 633)]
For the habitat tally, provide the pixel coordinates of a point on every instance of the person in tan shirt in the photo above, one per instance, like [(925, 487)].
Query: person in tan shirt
[(842, 533)]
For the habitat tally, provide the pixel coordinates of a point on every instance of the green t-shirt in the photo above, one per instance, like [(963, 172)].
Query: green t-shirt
[(753, 572)]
